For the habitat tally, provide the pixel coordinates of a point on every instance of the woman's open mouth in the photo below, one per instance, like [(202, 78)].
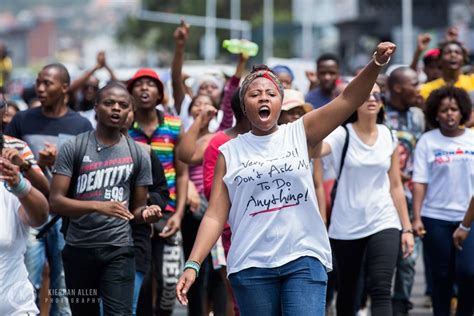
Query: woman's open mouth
[(264, 112)]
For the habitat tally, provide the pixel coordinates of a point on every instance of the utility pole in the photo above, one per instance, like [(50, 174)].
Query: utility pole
[(407, 30), (234, 16), (267, 29), (210, 35)]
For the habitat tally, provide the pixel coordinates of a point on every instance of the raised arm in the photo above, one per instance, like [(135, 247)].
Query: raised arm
[(113, 77), (190, 149), (79, 82), (210, 229), (231, 86), (319, 123), (422, 44), (180, 36)]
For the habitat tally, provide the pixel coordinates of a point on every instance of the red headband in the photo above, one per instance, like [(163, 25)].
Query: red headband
[(265, 74)]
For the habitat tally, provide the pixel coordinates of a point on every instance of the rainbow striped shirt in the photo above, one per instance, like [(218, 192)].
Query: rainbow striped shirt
[(163, 143)]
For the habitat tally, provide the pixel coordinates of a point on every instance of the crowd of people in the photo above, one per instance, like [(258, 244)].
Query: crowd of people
[(240, 195)]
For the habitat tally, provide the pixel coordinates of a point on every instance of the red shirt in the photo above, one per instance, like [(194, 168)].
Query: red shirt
[(210, 159)]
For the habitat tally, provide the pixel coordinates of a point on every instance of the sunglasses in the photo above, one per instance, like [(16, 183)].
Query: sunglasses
[(377, 96)]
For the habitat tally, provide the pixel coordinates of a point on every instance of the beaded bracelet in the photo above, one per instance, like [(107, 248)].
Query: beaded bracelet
[(190, 264), (466, 229)]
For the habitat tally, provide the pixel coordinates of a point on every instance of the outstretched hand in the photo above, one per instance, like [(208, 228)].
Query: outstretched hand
[(181, 33), (384, 51)]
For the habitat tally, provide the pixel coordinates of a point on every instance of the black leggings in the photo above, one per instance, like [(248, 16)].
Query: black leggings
[(381, 251)]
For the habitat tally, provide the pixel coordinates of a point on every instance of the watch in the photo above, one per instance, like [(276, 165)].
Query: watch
[(25, 167)]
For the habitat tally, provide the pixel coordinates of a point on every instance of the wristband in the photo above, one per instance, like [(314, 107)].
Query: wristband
[(410, 231), (22, 189), (466, 229), (377, 63), (190, 264)]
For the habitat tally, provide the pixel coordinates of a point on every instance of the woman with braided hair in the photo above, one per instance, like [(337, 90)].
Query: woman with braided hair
[(263, 186)]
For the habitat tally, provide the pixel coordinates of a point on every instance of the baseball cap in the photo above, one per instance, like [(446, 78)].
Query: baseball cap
[(149, 73), (431, 54), (294, 98)]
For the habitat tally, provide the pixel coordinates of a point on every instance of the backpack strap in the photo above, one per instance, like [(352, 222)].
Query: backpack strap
[(137, 164), (136, 157), (343, 158), (344, 151), (80, 147)]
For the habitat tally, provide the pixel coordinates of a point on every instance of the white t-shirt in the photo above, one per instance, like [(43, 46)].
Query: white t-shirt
[(17, 296), (446, 165), (363, 205), (274, 215), (187, 120)]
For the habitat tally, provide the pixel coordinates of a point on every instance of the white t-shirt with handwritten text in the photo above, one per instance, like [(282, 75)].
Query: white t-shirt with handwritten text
[(274, 216), (446, 164), (363, 204)]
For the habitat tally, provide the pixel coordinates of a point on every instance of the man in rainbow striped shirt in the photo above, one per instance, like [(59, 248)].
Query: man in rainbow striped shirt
[(162, 132)]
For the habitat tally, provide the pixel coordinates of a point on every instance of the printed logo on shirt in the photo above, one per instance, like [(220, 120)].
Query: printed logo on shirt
[(86, 159), (104, 179), (443, 156)]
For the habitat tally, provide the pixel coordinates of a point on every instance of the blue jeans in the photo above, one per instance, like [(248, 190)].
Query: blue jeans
[(448, 265), (139, 276), (296, 288), (404, 279), (37, 252)]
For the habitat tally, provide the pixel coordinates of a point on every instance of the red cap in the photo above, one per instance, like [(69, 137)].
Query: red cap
[(149, 73), (432, 53)]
